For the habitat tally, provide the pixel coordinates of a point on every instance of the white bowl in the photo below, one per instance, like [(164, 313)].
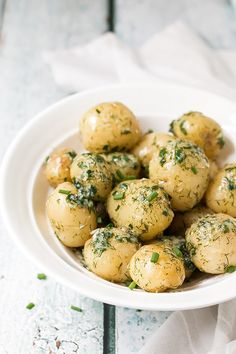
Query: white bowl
[(23, 188)]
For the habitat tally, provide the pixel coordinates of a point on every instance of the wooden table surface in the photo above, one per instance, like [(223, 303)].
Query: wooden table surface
[(27, 29)]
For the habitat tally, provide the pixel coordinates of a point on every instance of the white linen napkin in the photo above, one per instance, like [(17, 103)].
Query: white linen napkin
[(174, 54)]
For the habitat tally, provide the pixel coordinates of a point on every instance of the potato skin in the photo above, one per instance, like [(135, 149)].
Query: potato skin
[(71, 223), (129, 205), (123, 165), (182, 169), (57, 166), (182, 221), (109, 126), (149, 145), (109, 251), (167, 273), (93, 170), (201, 130), (211, 242), (221, 193)]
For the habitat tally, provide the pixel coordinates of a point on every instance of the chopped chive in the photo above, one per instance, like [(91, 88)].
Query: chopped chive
[(47, 158), (42, 276), (155, 257), (149, 131), (64, 191), (110, 225), (30, 306), (182, 128), (177, 251), (194, 170), (99, 220), (118, 195), (128, 178), (151, 196), (230, 269), (76, 308), (132, 285)]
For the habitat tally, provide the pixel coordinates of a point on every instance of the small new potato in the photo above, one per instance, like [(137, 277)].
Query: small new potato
[(109, 126), (71, 223), (211, 242), (109, 251), (92, 170), (182, 221), (182, 169), (142, 206), (57, 166), (156, 268), (201, 130), (149, 145), (124, 166), (221, 193)]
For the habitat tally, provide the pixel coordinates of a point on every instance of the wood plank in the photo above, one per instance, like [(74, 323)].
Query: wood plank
[(134, 327), (26, 86), (137, 20)]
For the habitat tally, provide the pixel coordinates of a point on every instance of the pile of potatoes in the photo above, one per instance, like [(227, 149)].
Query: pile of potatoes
[(148, 209)]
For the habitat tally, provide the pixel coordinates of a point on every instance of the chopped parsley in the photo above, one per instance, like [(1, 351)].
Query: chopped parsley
[(100, 241)]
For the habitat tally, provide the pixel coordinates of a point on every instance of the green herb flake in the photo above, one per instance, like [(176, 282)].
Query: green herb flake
[(118, 195), (132, 285), (149, 131), (194, 170), (30, 306), (110, 225), (72, 154), (46, 159), (162, 156), (230, 269), (152, 196), (221, 141), (165, 212), (171, 129), (182, 128), (129, 178), (42, 276), (99, 220), (179, 156), (120, 175), (97, 110), (64, 191), (76, 308), (177, 252), (155, 257)]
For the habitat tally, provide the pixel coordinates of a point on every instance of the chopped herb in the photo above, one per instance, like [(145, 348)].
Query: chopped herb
[(72, 154), (99, 220), (221, 141), (125, 132), (129, 178), (182, 128), (106, 148), (117, 208), (97, 110), (120, 175), (152, 196), (64, 191), (231, 184), (76, 308), (123, 186), (162, 155), (82, 164), (171, 129), (30, 306), (165, 212), (177, 252), (118, 195), (179, 155), (100, 240), (131, 226), (155, 257), (194, 170), (42, 276), (110, 225), (230, 269), (132, 285), (47, 158), (149, 131)]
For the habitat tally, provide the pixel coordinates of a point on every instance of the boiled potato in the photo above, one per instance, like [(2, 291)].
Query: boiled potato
[(201, 130), (178, 245), (156, 268), (182, 169), (214, 169), (72, 223), (221, 194), (124, 166), (57, 166), (211, 242), (92, 171), (150, 144), (182, 221), (142, 206), (109, 126), (109, 251)]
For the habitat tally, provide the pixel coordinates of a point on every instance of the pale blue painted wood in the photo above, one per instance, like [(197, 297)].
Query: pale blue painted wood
[(214, 20)]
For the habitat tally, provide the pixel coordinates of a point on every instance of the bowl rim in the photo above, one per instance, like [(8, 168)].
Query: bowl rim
[(66, 274)]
